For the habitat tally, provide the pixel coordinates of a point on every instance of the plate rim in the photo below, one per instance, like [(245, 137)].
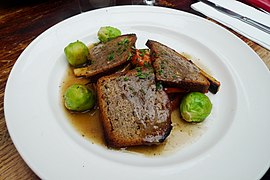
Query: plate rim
[(66, 21)]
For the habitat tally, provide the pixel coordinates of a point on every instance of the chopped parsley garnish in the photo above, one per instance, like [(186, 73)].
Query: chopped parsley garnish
[(160, 71), (126, 79), (159, 85), (129, 56), (111, 56), (140, 74), (142, 52), (147, 65), (123, 42), (138, 69), (123, 45)]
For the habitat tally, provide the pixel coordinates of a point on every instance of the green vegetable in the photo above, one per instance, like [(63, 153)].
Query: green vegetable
[(195, 107), (107, 33), (76, 53), (78, 97)]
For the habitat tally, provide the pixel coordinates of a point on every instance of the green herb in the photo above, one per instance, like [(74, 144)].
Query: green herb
[(129, 56), (160, 71), (111, 56), (142, 52), (174, 76), (126, 79), (141, 75), (118, 49), (159, 85), (147, 65), (138, 69), (123, 42), (123, 46)]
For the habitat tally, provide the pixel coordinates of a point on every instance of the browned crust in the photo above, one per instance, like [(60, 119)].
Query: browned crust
[(214, 84), (201, 84), (189, 86)]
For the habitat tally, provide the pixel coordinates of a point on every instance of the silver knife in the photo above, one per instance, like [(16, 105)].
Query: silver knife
[(238, 16)]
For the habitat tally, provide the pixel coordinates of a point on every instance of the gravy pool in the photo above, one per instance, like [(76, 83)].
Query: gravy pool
[(88, 125)]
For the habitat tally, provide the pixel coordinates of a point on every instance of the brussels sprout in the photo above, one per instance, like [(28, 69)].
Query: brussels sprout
[(78, 97), (76, 53), (107, 33), (195, 107)]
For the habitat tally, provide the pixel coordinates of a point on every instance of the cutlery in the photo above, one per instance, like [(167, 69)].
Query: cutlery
[(238, 16)]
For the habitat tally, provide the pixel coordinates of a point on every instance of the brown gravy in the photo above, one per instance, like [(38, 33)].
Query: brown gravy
[(89, 126)]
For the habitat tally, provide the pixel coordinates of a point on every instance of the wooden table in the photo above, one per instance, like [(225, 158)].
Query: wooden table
[(21, 21)]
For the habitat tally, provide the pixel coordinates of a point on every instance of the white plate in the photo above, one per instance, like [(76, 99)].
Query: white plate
[(235, 145)]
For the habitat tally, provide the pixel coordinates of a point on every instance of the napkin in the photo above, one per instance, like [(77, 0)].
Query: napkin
[(261, 4), (254, 34)]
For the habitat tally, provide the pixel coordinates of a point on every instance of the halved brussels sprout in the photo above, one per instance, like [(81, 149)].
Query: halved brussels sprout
[(78, 97), (195, 107)]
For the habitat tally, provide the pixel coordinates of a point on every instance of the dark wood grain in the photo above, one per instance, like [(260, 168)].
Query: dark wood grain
[(21, 21), (20, 24)]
